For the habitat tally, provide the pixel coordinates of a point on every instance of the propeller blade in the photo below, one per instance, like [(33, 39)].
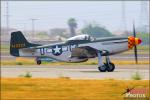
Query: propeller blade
[(135, 54), (134, 33), (135, 48)]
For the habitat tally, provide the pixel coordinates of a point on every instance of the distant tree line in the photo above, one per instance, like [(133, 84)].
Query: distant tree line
[(95, 31), (92, 29)]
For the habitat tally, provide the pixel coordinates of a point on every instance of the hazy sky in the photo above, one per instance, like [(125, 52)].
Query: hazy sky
[(53, 14)]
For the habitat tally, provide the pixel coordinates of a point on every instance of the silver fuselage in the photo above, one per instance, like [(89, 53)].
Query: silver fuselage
[(63, 51)]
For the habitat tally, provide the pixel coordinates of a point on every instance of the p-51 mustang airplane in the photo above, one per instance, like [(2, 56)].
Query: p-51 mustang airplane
[(76, 49)]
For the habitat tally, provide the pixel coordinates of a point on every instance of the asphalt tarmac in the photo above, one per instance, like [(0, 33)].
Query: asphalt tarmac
[(75, 71)]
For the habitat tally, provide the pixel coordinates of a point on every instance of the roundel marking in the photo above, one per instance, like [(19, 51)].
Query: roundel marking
[(57, 50)]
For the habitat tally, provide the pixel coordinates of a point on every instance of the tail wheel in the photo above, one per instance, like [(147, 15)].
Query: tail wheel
[(110, 67), (38, 62)]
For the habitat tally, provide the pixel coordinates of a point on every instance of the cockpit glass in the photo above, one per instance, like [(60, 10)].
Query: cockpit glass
[(82, 37)]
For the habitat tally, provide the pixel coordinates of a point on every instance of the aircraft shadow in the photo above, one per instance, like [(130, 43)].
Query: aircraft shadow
[(97, 72)]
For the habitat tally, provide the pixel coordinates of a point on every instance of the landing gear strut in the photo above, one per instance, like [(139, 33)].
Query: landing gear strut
[(103, 67)]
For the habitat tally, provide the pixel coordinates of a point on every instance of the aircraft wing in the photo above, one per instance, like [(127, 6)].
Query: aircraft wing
[(84, 52)]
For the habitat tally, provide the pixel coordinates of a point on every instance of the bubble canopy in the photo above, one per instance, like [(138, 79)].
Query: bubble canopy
[(82, 37)]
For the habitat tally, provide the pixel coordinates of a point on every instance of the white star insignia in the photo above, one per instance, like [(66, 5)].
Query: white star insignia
[(57, 50)]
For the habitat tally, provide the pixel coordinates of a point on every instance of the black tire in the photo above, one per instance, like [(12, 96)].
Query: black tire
[(110, 67), (102, 68), (38, 62)]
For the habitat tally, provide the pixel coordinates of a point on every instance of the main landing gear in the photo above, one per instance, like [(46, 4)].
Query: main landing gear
[(103, 67), (38, 62)]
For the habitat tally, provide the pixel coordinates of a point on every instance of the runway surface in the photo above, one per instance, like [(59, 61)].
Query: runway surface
[(118, 56), (75, 71)]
